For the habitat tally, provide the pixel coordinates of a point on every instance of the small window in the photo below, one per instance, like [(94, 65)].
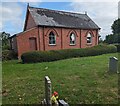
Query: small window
[(52, 39), (72, 39), (89, 38)]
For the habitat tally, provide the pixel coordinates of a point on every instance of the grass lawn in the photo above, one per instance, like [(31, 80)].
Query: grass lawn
[(78, 81)]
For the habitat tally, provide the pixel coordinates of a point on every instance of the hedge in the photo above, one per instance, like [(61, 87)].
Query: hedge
[(53, 55)]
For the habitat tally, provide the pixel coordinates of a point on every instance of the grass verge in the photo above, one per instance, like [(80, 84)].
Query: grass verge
[(78, 81)]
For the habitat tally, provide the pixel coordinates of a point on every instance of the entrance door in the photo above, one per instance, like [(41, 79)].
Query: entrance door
[(33, 44)]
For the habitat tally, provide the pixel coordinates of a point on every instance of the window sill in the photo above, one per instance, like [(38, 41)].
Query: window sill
[(52, 44), (72, 44), (89, 44)]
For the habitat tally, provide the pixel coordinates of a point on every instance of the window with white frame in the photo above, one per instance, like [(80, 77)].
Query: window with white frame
[(52, 38), (89, 38), (72, 39)]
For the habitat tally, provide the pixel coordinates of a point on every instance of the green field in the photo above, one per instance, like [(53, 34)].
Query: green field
[(78, 81)]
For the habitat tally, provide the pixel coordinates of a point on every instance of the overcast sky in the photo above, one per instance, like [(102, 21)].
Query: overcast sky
[(102, 13)]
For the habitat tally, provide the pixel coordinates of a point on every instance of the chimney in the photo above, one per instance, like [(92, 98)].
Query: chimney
[(27, 5), (85, 12)]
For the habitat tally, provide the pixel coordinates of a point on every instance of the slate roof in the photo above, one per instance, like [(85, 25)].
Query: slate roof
[(46, 17)]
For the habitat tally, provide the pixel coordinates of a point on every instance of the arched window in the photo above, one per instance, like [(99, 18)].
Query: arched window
[(89, 38), (52, 38), (72, 39)]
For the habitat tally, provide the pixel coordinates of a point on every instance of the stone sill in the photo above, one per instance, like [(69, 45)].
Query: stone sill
[(89, 44), (52, 44), (72, 44)]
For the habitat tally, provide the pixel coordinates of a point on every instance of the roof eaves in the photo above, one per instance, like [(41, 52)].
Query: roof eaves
[(12, 36), (66, 27)]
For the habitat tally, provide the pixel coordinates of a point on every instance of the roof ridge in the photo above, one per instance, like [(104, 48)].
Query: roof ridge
[(58, 10)]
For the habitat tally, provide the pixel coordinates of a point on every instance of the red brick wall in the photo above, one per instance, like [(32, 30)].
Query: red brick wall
[(23, 40), (62, 39), (29, 22), (66, 38), (57, 32), (84, 38)]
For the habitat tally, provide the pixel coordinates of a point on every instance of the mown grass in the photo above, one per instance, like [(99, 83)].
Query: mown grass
[(78, 81)]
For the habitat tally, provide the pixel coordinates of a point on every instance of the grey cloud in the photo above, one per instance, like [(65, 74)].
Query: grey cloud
[(11, 15), (103, 13), (119, 9)]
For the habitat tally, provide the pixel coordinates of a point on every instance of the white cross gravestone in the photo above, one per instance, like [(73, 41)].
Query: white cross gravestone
[(113, 64)]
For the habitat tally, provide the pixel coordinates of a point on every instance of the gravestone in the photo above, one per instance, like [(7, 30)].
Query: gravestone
[(48, 95), (48, 91), (113, 64)]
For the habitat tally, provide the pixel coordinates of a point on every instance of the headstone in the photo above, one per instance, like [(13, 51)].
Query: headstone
[(48, 91), (113, 64), (48, 95)]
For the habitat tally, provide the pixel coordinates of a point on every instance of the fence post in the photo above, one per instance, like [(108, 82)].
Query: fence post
[(48, 91)]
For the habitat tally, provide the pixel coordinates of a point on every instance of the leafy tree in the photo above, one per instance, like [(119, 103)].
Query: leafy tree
[(112, 38), (115, 37), (116, 26), (4, 38), (109, 39)]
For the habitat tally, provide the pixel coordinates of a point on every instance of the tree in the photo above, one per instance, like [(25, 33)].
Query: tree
[(116, 26), (112, 38), (115, 37), (4, 38), (109, 39)]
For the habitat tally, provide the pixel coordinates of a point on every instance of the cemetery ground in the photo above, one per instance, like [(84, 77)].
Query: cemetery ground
[(83, 80)]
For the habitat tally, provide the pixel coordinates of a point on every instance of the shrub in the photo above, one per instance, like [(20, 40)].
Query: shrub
[(47, 56), (8, 55), (6, 47), (118, 47), (36, 56)]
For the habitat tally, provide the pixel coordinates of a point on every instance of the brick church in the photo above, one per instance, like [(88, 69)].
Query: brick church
[(46, 29)]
